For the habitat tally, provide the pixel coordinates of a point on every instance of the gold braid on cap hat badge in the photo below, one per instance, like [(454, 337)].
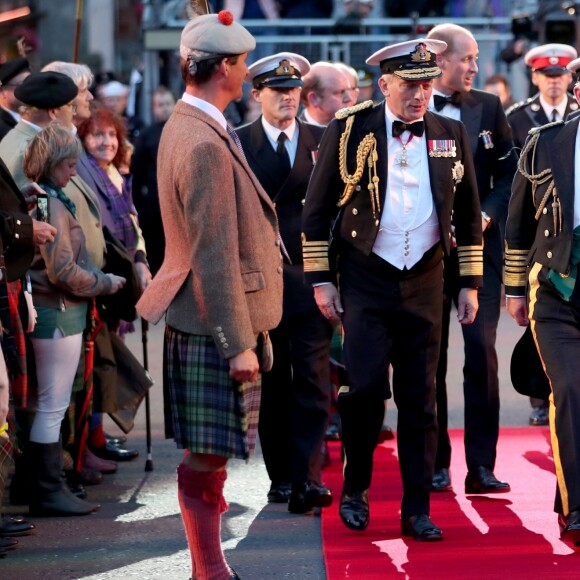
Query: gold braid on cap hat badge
[(366, 153)]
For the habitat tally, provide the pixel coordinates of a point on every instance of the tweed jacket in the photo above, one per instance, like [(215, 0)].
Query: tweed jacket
[(288, 193), (12, 149), (528, 240), (61, 273), (222, 273), (528, 114), (356, 225)]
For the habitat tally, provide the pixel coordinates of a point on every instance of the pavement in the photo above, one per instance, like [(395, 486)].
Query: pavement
[(138, 531)]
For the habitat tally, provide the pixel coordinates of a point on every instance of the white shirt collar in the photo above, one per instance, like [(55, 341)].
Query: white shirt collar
[(206, 107), (308, 118), (560, 107), (273, 132)]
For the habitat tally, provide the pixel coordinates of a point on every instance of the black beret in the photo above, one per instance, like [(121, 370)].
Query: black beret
[(46, 90), (12, 68), (526, 370)]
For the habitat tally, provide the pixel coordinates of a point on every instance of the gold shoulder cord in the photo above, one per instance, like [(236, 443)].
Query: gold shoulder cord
[(539, 179), (366, 153)]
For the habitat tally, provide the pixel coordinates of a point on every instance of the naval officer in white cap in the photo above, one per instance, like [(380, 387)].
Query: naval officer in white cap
[(220, 284), (281, 150), (397, 172)]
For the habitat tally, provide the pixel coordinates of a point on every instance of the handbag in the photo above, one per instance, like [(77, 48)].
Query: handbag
[(133, 382), (121, 305)]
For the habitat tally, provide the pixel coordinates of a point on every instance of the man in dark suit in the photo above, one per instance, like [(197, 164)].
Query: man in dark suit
[(398, 172), (551, 103), (491, 142), (281, 151), (541, 280), (12, 73)]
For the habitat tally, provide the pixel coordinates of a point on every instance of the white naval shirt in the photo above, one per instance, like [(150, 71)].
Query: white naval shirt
[(409, 225)]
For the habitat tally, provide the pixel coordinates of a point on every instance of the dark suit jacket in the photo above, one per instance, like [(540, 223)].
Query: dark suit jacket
[(15, 227), (288, 195), (357, 225), (7, 122), (495, 167), (527, 240), (528, 114)]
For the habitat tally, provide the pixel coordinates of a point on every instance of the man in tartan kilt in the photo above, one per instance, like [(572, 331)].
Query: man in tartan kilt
[(220, 284)]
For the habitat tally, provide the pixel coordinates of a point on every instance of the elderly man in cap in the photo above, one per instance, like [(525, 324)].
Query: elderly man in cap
[(552, 102), (397, 173), (495, 164), (281, 151), (220, 285), (12, 73), (46, 96), (541, 280)]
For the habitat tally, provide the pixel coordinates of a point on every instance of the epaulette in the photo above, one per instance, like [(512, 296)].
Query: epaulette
[(348, 111), (518, 105), (535, 130)]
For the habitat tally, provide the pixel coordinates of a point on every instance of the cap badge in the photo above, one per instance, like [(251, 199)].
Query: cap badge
[(421, 54), (554, 60), (285, 68)]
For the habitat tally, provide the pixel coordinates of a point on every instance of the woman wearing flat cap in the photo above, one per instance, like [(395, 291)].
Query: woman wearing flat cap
[(220, 284)]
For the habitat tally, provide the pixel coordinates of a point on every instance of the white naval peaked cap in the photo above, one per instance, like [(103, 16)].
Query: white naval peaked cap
[(410, 60), (283, 69)]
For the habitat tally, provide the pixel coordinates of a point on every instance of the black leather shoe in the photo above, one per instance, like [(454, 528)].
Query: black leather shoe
[(570, 527), (306, 496), (116, 440), (15, 526), (421, 528), (539, 417), (114, 453), (482, 480), (279, 492), (8, 544), (354, 510), (441, 480)]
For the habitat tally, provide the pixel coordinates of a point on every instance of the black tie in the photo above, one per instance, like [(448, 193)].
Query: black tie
[(417, 128), (554, 115), (283, 153), (440, 101)]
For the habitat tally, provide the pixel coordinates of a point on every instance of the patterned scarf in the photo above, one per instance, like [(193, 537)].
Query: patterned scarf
[(121, 206), (60, 194)]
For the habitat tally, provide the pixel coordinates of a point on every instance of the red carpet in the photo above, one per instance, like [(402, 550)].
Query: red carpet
[(503, 536)]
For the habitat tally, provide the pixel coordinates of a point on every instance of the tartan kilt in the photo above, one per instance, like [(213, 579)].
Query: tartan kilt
[(209, 412)]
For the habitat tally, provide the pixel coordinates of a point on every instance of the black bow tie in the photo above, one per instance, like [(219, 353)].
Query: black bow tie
[(440, 101), (417, 128)]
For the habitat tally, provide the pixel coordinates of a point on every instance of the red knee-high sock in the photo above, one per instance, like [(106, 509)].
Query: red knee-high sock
[(97, 437), (202, 502)]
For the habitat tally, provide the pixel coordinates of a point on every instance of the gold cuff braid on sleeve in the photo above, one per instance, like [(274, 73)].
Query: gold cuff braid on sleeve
[(470, 260), (516, 265), (315, 255)]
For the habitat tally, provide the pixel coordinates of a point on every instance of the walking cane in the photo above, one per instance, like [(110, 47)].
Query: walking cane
[(149, 461)]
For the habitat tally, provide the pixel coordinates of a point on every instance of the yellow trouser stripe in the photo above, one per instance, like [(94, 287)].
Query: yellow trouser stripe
[(534, 285)]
